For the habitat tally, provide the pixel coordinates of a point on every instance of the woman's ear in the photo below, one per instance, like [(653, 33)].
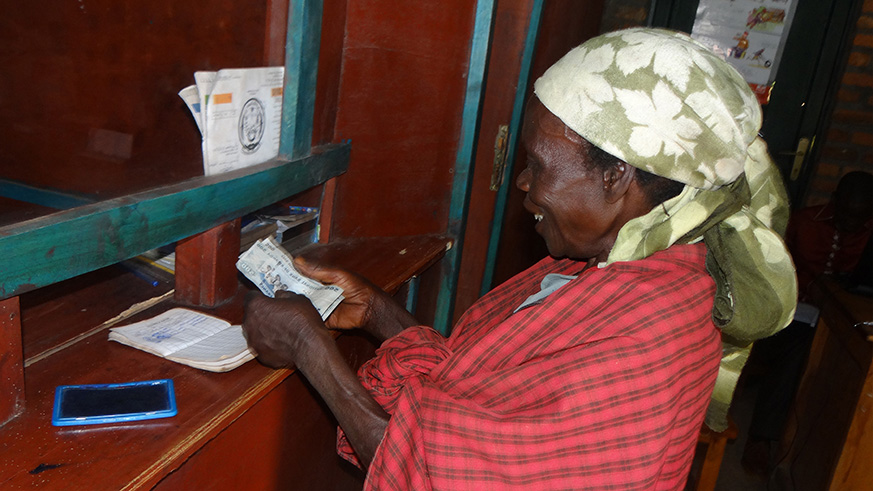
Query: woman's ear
[(617, 181)]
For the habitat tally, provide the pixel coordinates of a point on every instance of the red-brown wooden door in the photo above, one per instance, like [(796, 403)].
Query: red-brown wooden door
[(493, 253)]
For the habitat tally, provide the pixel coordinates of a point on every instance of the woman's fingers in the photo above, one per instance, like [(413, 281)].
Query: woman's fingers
[(317, 272)]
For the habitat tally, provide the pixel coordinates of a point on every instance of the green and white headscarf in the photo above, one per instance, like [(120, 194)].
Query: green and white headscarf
[(666, 104)]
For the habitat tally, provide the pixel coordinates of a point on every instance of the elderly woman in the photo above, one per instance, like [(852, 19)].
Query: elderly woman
[(595, 367)]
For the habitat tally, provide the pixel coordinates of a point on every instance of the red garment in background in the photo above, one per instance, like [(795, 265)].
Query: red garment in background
[(818, 248), (604, 384)]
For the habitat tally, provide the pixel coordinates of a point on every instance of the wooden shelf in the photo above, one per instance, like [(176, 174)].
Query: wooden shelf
[(62, 245), (142, 454)]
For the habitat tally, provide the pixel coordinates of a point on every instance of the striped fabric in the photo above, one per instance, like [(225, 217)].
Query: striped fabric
[(602, 385)]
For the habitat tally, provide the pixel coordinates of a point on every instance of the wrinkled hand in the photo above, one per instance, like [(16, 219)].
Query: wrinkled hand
[(356, 309), (365, 306), (288, 330), (285, 330)]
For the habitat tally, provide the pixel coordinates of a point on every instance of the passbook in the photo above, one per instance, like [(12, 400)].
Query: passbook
[(188, 337)]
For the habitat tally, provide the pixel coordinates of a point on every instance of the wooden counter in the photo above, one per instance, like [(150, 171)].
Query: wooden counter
[(829, 442), (252, 427)]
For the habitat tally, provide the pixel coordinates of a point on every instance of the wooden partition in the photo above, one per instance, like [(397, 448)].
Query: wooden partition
[(828, 442), (385, 140), (384, 113)]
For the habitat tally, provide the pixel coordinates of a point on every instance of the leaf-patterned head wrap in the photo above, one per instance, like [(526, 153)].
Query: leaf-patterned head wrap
[(666, 104)]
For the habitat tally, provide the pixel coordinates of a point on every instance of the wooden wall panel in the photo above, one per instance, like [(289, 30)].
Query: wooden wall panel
[(89, 89), (330, 60), (400, 103)]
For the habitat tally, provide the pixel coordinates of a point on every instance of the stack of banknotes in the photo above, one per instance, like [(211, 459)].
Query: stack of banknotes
[(271, 268)]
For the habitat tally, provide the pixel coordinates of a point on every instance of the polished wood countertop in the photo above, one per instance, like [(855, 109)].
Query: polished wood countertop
[(65, 342)]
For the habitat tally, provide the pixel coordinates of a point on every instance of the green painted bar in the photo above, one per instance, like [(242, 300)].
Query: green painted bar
[(463, 174), (56, 247), (301, 69), (50, 198), (530, 42)]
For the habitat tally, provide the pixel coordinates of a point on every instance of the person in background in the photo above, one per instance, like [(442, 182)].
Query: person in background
[(594, 368), (829, 239), (825, 241)]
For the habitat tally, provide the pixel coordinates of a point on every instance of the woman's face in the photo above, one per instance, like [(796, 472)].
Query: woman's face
[(564, 192)]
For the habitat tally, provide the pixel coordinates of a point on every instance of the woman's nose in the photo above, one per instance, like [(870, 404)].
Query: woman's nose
[(523, 181)]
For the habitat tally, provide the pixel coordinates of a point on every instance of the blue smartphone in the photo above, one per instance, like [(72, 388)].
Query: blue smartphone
[(113, 403)]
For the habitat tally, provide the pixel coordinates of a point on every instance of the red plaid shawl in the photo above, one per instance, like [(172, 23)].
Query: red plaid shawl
[(603, 385)]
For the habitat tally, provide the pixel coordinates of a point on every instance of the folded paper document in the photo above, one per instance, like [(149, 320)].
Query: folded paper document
[(271, 268), (239, 114), (188, 337)]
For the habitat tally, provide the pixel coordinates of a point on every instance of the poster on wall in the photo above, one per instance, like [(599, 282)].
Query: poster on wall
[(748, 34)]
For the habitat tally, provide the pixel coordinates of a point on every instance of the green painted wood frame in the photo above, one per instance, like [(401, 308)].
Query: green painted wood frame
[(527, 55), (302, 43), (56, 247), (463, 171), (49, 198)]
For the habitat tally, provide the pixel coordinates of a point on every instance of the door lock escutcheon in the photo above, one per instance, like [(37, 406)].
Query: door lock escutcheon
[(499, 167), (803, 146)]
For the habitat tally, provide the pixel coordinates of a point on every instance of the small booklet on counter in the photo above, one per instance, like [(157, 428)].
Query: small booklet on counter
[(188, 337)]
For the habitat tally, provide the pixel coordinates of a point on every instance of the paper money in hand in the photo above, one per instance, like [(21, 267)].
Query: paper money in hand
[(271, 268)]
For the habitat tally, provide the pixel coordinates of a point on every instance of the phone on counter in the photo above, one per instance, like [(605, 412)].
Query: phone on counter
[(113, 403)]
